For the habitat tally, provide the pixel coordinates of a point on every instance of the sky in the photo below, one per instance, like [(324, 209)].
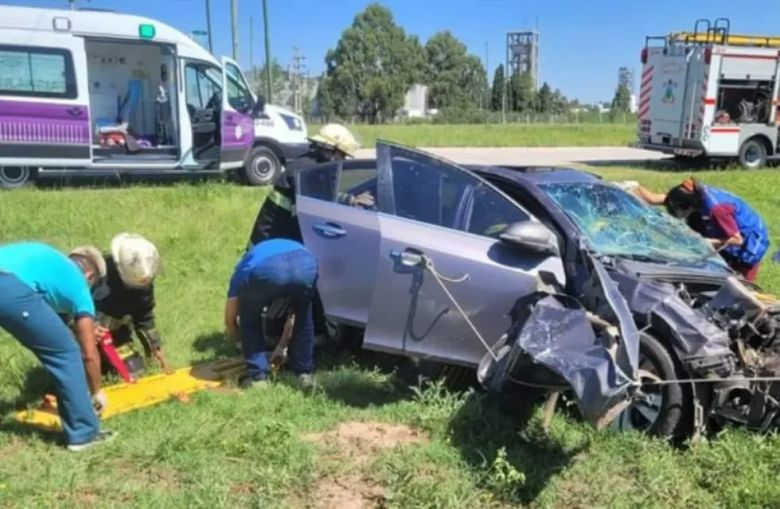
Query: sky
[(582, 42)]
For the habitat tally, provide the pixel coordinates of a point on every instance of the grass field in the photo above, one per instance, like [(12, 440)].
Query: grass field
[(496, 135), (255, 449)]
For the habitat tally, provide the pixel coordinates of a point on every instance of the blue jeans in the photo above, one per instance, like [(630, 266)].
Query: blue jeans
[(27, 317), (291, 277)]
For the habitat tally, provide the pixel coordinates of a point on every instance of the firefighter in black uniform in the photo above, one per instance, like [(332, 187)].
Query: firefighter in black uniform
[(125, 299), (276, 218)]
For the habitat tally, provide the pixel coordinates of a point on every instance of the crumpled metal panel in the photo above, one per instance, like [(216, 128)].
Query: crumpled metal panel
[(700, 344), (559, 335)]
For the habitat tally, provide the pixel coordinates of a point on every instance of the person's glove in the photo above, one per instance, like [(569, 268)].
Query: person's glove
[(99, 402), (627, 185)]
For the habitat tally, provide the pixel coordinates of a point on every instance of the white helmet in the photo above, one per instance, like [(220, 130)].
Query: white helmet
[(137, 260), (337, 136)]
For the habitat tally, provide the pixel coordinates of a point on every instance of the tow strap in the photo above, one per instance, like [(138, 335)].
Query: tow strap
[(428, 265)]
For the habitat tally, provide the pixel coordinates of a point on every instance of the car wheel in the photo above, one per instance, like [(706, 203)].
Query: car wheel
[(753, 154), (656, 409), (262, 166), (13, 177)]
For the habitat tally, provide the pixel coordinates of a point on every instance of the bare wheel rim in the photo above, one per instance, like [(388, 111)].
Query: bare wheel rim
[(646, 407)]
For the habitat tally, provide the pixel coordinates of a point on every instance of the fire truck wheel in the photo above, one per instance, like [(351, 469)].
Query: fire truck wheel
[(753, 154)]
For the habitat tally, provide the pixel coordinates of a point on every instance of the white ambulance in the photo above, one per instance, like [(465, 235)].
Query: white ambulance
[(99, 93), (709, 93)]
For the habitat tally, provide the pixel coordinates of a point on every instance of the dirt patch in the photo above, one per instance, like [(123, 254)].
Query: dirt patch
[(347, 492), (359, 442), (355, 443), (157, 476)]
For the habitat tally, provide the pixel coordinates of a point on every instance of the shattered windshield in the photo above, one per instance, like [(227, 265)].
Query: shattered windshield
[(615, 223)]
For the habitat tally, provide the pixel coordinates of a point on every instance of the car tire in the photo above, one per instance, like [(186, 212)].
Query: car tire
[(262, 166), (14, 177), (657, 410), (752, 154)]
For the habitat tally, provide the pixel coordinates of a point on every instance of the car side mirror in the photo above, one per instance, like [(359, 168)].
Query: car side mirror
[(530, 236)]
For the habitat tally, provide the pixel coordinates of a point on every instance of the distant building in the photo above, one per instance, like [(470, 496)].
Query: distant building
[(633, 105), (416, 102)]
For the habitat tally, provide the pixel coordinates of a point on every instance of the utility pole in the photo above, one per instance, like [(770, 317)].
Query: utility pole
[(234, 27), (268, 67), (208, 25), (297, 80), (485, 96), (252, 49)]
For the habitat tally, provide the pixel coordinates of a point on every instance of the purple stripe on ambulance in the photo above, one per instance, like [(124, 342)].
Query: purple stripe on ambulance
[(27, 122)]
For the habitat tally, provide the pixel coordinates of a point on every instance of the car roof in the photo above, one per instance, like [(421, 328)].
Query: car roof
[(536, 175), (526, 175)]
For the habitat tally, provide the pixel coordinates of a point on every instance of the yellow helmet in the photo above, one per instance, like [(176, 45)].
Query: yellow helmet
[(338, 137)]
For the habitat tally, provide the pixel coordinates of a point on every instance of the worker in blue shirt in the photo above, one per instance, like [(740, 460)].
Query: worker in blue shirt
[(273, 270), (37, 284)]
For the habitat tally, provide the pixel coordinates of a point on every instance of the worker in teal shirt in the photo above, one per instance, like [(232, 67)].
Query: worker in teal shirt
[(37, 284)]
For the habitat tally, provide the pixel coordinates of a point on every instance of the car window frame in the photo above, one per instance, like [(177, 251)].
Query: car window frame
[(457, 168), (340, 167)]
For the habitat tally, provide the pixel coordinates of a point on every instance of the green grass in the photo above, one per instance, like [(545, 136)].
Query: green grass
[(496, 135), (247, 449)]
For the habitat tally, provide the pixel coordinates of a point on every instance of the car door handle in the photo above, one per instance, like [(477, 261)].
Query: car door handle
[(408, 257), (330, 230)]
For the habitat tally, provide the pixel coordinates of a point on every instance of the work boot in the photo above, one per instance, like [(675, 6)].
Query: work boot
[(103, 436), (306, 381), (248, 382)]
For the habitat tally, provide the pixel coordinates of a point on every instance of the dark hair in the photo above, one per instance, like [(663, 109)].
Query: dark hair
[(681, 200)]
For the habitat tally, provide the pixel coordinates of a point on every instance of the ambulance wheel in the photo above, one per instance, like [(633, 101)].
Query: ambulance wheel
[(13, 177), (262, 166), (753, 154)]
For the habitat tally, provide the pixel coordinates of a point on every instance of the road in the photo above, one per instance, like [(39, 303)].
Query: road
[(541, 156)]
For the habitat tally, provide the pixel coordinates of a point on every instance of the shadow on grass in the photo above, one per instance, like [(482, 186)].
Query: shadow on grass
[(36, 383), (215, 346), (483, 427)]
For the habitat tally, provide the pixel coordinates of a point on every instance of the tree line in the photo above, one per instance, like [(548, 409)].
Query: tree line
[(375, 62)]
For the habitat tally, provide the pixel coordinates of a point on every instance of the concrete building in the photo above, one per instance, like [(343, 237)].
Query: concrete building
[(416, 102)]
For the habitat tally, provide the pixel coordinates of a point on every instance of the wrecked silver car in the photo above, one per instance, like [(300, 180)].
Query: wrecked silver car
[(543, 278)]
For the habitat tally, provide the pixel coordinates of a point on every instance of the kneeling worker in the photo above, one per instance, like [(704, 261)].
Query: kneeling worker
[(273, 270), (125, 298), (728, 222), (37, 284)]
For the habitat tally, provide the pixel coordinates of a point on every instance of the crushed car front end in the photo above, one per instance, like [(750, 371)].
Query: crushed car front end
[(703, 348)]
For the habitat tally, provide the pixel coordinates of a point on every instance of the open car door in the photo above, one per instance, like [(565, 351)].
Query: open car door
[(433, 210), (238, 127)]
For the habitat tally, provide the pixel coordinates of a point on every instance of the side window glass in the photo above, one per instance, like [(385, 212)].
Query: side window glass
[(491, 213), (319, 183), (342, 183), (37, 72), (431, 193), (193, 88), (239, 97), (202, 86)]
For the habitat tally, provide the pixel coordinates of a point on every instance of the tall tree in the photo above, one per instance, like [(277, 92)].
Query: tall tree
[(621, 103), (522, 92), (456, 79), (544, 99), (372, 66), (497, 93)]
